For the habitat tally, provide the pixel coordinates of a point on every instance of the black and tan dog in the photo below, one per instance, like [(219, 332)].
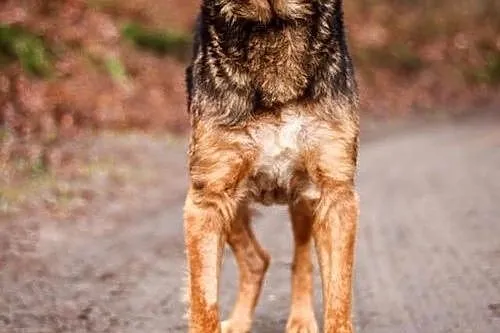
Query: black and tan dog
[(273, 105)]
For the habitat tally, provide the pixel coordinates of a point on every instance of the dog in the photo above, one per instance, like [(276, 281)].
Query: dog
[(273, 104)]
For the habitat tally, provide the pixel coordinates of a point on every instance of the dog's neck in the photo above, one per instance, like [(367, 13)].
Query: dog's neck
[(246, 60), (263, 11), (237, 19), (246, 15)]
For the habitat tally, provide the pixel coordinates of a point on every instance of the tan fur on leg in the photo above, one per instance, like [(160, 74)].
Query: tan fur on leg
[(252, 262), (204, 242), (217, 168), (334, 234), (302, 318)]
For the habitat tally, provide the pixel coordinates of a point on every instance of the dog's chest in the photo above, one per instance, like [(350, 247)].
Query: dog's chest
[(276, 176)]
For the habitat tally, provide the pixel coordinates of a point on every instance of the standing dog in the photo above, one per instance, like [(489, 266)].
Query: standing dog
[(273, 106)]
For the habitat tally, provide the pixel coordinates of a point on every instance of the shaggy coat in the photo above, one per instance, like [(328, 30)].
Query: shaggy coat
[(273, 105), (254, 56)]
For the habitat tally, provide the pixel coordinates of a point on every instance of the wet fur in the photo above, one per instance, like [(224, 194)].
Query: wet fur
[(273, 106)]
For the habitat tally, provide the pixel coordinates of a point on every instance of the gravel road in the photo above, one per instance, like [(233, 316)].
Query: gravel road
[(428, 258)]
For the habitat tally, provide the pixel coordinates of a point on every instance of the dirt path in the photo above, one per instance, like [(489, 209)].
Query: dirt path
[(428, 255)]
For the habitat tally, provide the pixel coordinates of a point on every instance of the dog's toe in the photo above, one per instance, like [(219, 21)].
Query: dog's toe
[(227, 326), (302, 324)]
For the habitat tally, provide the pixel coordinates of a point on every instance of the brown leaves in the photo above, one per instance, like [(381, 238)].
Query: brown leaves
[(139, 90)]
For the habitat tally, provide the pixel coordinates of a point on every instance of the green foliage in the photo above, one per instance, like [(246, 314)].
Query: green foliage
[(488, 74), (4, 134), (27, 48), (493, 69), (38, 168), (159, 41), (406, 59), (102, 4), (398, 57), (116, 69)]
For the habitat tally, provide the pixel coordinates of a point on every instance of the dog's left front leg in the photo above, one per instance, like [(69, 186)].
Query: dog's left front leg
[(334, 234)]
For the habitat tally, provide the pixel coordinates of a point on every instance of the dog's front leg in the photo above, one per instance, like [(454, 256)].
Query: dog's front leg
[(334, 235), (301, 319), (204, 243), (217, 168), (205, 240)]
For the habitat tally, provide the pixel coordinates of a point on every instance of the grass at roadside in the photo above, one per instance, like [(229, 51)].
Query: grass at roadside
[(18, 44), (162, 42)]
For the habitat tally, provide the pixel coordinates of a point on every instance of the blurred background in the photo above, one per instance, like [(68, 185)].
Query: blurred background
[(92, 139), (108, 64)]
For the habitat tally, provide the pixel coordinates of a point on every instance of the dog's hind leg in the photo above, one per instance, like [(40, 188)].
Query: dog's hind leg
[(302, 318), (252, 262)]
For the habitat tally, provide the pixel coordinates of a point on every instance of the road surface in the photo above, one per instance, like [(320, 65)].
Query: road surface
[(428, 254)]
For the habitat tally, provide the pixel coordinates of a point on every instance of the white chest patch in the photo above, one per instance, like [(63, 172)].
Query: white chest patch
[(280, 148)]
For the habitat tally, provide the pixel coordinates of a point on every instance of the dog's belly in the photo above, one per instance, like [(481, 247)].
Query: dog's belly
[(278, 175)]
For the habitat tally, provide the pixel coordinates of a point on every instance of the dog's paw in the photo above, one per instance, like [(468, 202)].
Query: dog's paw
[(302, 324), (228, 326)]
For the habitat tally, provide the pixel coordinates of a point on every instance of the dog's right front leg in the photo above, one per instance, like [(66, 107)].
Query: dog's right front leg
[(205, 227), (205, 239), (217, 168)]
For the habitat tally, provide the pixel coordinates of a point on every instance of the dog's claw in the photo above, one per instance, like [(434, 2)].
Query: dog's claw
[(302, 324)]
